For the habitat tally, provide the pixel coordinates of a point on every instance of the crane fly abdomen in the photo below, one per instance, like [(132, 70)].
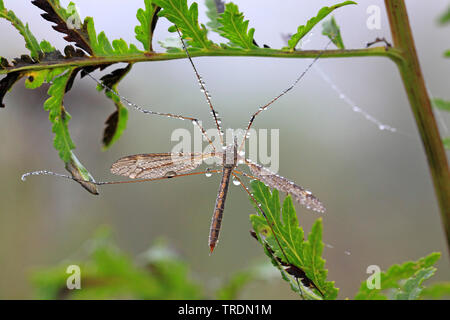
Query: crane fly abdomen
[(216, 221)]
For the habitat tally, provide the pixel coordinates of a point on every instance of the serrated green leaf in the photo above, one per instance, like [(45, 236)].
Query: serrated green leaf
[(234, 27), (436, 291), (186, 19), (394, 275), (148, 19), (59, 117), (60, 78), (117, 121), (441, 104), (67, 21), (304, 29), (304, 255), (333, 32), (30, 41), (213, 12), (35, 79), (412, 288), (46, 46), (102, 47)]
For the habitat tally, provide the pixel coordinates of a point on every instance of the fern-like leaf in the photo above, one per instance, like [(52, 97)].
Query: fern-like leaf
[(59, 15), (102, 47), (30, 41), (394, 276), (304, 29), (412, 288), (61, 79), (117, 121), (59, 117), (304, 256), (148, 19), (333, 32), (235, 28), (214, 9), (186, 19)]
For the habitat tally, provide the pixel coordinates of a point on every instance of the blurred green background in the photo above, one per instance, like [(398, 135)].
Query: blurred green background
[(375, 184)]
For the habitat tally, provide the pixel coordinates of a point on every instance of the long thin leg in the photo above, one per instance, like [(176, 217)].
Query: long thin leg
[(264, 107), (194, 121), (45, 172), (203, 89)]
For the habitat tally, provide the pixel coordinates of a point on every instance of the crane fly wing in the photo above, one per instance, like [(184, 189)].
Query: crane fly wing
[(302, 196), (157, 165)]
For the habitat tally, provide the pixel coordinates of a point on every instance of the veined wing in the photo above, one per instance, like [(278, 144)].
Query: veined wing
[(157, 165), (302, 196)]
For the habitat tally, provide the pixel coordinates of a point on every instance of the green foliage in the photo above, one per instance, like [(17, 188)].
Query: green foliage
[(445, 17), (234, 286), (117, 121), (441, 104), (30, 41), (213, 14), (437, 291), (186, 19), (446, 142), (235, 28), (413, 286), (304, 29), (58, 115), (102, 47), (148, 19), (332, 31), (108, 273), (303, 255), (405, 279)]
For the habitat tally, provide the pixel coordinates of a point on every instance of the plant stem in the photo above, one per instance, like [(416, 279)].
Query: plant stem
[(260, 52), (421, 106)]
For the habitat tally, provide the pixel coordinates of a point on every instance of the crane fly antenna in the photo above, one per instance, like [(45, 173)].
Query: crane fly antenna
[(194, 121), (203, 88), (264, 107)]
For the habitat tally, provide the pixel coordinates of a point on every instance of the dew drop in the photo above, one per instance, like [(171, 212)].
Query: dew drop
[(381, 127), (236, 182), (356, 109), (342, 96)]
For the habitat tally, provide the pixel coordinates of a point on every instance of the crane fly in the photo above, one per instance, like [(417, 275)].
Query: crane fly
[(160, 166)]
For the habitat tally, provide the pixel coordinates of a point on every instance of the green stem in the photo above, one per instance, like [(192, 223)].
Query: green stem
[(260, 52), (421, 106)]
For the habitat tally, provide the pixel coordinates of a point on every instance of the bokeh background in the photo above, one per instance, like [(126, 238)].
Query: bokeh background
[(375, 184)]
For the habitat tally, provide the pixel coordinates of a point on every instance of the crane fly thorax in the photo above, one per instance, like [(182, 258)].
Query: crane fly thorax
[(230, 156)]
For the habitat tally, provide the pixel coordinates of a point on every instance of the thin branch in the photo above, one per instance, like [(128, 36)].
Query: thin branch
[(260, 52)]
